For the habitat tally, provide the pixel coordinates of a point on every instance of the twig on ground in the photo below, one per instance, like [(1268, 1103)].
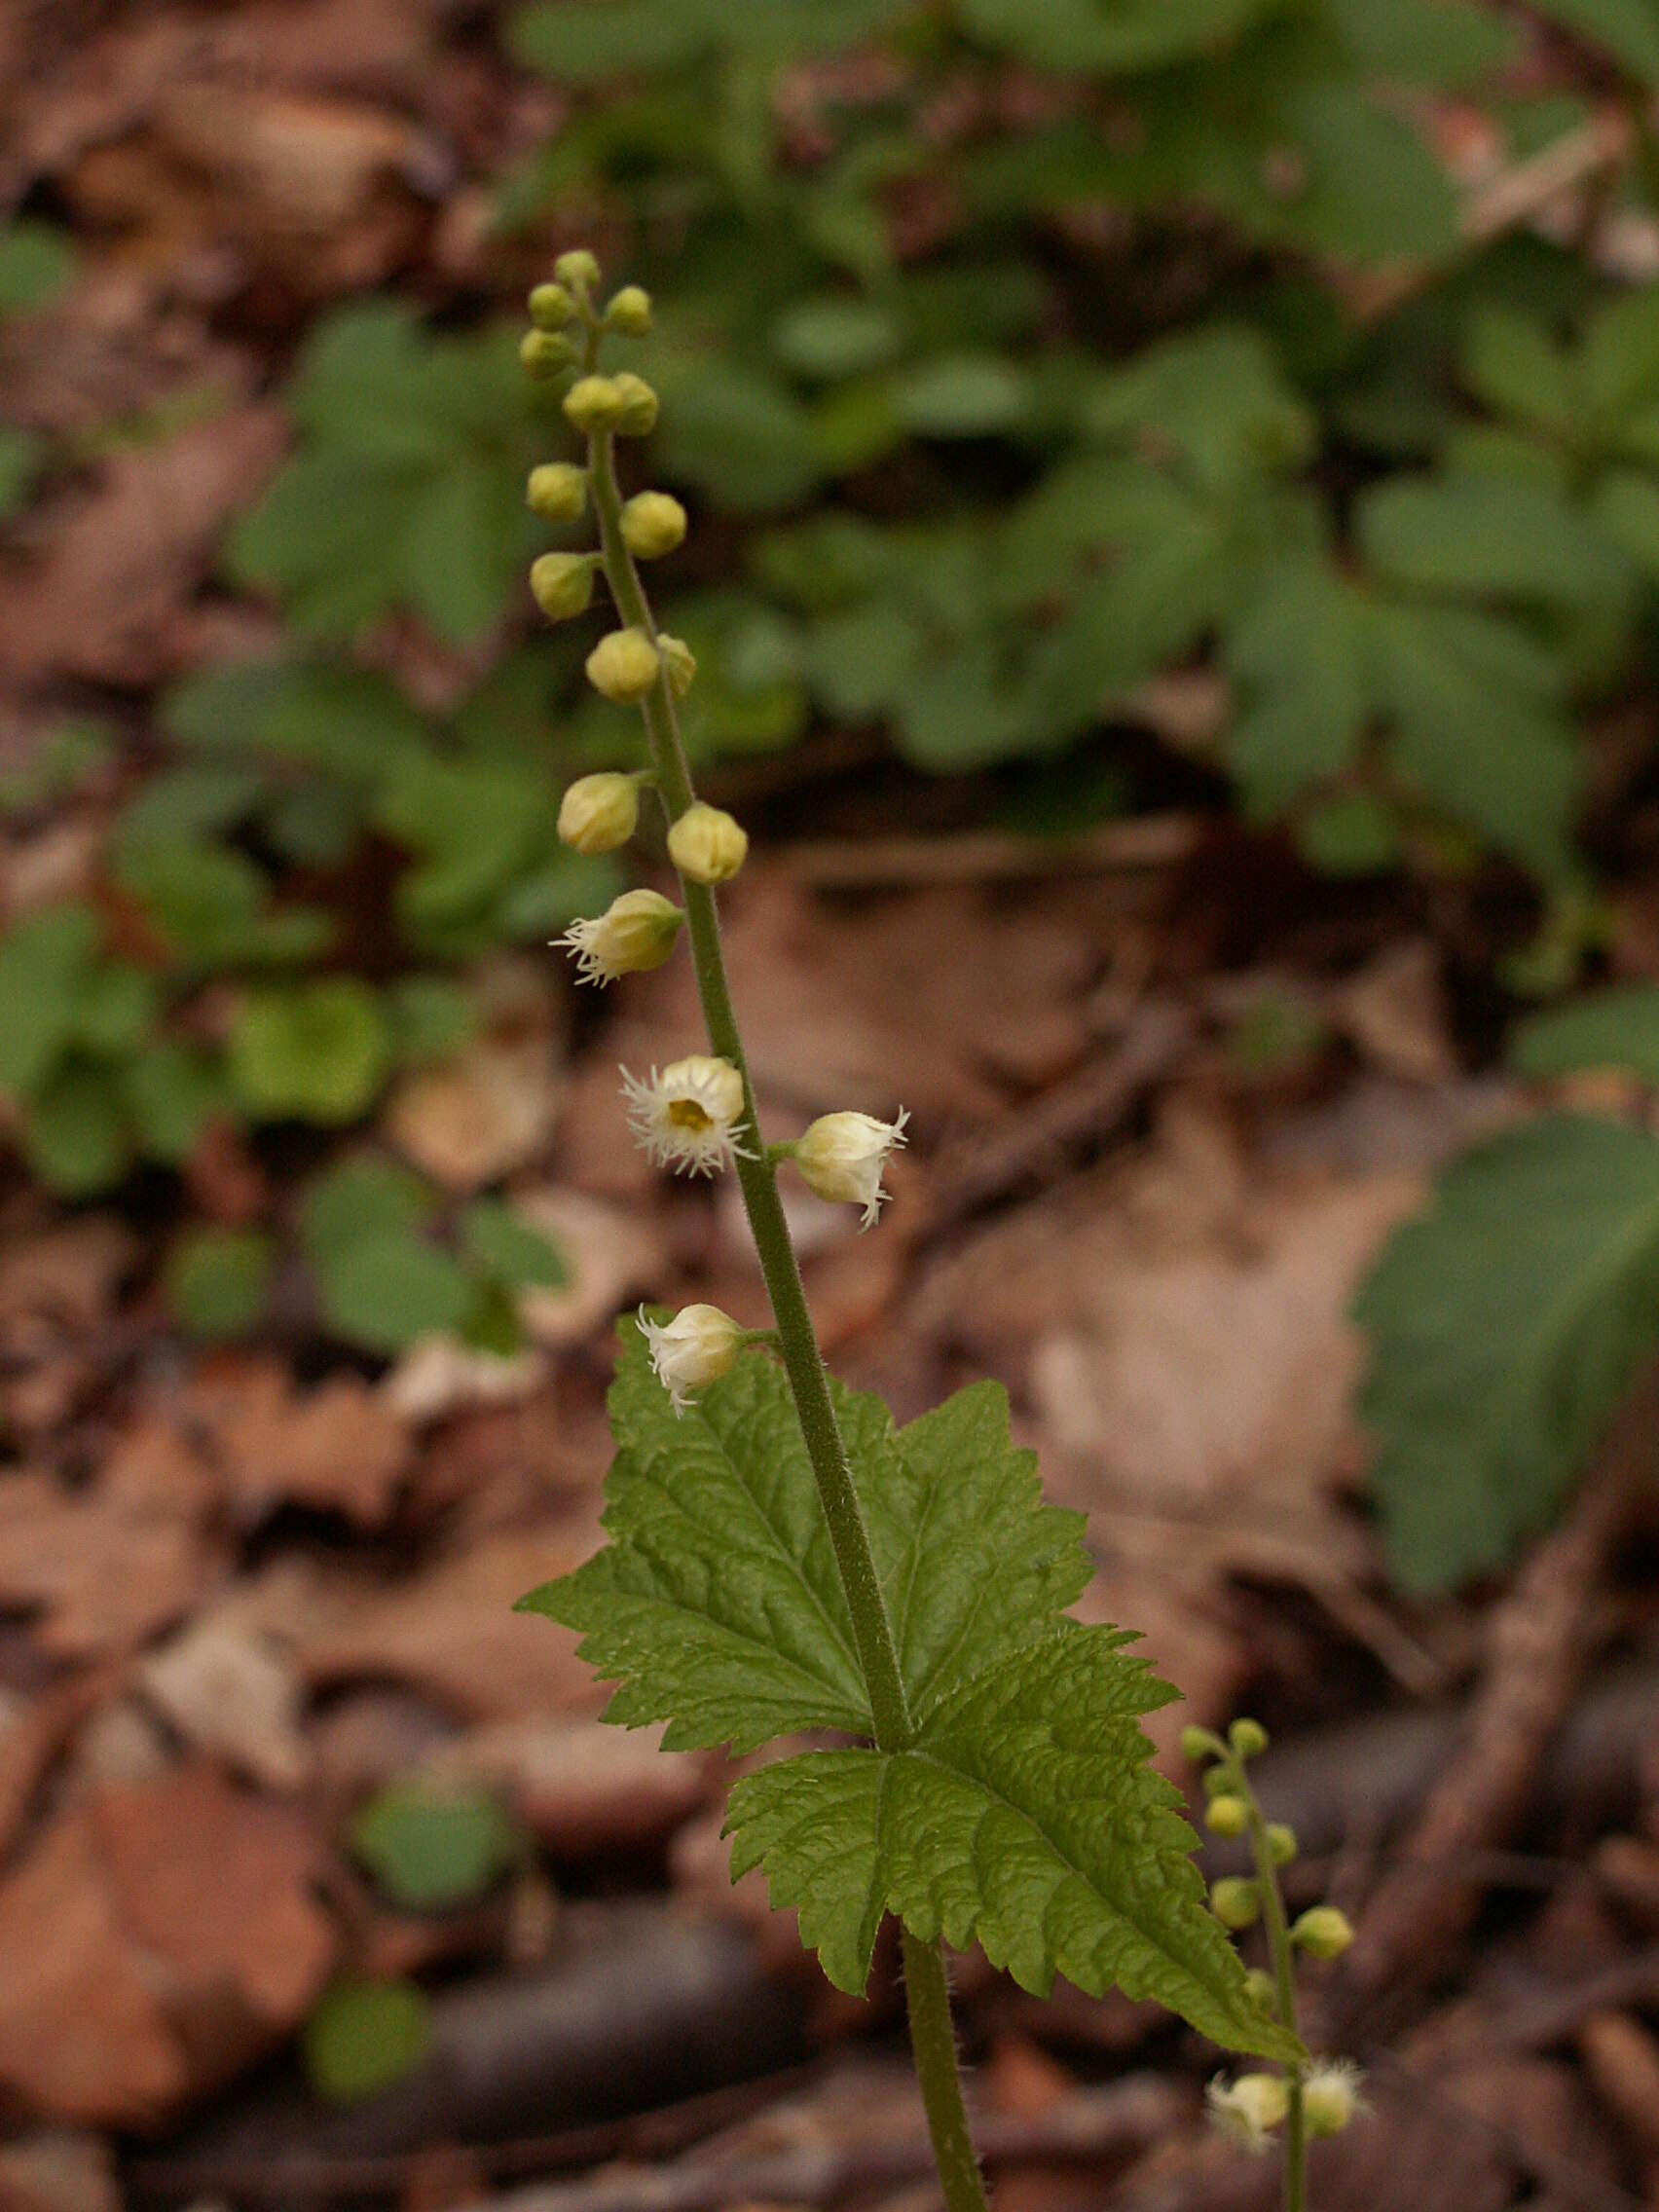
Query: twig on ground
[(1536, 1653), (869, 864)]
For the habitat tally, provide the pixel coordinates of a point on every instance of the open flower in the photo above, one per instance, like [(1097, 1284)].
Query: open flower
[(635, 932), (841, 1158), (695, 1348), (686, 1117), (1330, 2096), (1249, 2108)]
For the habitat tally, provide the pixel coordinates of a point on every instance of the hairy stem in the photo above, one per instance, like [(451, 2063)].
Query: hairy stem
[(931, 2036)]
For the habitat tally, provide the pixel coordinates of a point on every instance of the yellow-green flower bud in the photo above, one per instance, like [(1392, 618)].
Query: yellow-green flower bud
[(1248, 1738), (635, 932), (1259, 1989), (594, 404), (1323, 1931), (1226, 1815), (1219, 1781), (638, 418), (699, 1345), (551, 307), (653, 523), (577, 269), (678, 661), (543, 353), (1329, 2097), (630, 312), (598, 813), (706, 845), (563, 584), (623, 666), (1196, 1743), (1235, 1903), (1281, 1842), (557, 491), (1249, 2108)]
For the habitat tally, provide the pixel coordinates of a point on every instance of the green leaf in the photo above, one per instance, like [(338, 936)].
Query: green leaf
[(1023, 1815), (77, 1137), (963, 395), (170, 1088), (1297, 657), (429, 1849), (217, 1280), (1512, 363), (43, 963), (510, 1247), (1025, 1819), (1610, 1029), (431, 1019), (1506, 1324), (360, 1201), (22, 460), (581, 40), (365, 2037), (117, 1005), (36, 263), (386, 1292), (1476, 533), (314, 1053), (1109, 34)]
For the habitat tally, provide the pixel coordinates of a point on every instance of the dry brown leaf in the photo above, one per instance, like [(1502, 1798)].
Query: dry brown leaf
[(486, 1114), (440, 1376), (57, 2171), (99, 602), (339, 1448), (1395, 1010), (83, 2035), (67, 1277), (230, 1691), (218, 1885), (104, 1579), (452, 1632), (33, 1731)]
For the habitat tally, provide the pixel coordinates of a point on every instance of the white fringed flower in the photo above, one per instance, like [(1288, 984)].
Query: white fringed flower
[(686, 1117), (1330, 2096), (1249, 2108), (635, 932), (695, 1348), (841, 1158)]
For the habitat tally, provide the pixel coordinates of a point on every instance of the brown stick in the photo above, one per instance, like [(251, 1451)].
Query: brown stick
[(1536, 1654), (868, 864)]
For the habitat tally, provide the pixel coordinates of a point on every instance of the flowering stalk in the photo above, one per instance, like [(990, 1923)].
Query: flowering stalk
[(1320, 2102), (652, 670)]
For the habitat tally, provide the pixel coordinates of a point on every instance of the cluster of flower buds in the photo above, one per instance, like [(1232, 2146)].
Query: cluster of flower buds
[(1250, 2108), (693, 1117)]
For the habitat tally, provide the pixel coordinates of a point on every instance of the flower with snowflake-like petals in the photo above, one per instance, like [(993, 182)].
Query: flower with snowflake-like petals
[(1249, 2108), (687, 1117), (635, 932)]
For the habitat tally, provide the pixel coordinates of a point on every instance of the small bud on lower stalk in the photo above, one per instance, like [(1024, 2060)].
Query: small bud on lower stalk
[(1235, 1903), (551, 307), (624, 666), (598, 813), (562, 585), (1196, 1743), (1226, 1815), (543, 353), (557, 491), (1281, 1842), (635, 932), (594, 404), (630, 312), (1248, 1738), (699, 1345), (1323, 1931), (653, 523), (638, 418), (579, 268), (706, 845)]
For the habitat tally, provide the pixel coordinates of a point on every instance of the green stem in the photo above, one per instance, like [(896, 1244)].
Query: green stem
[(1282, 1952), (926, 1992)]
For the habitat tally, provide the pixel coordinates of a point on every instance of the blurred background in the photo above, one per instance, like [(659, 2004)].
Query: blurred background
[(1174, 566)]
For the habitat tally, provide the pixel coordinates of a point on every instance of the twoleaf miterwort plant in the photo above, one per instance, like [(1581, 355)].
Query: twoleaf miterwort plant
[(781, 1558)]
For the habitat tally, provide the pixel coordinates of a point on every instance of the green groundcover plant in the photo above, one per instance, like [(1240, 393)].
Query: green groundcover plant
[(782, 1559)]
